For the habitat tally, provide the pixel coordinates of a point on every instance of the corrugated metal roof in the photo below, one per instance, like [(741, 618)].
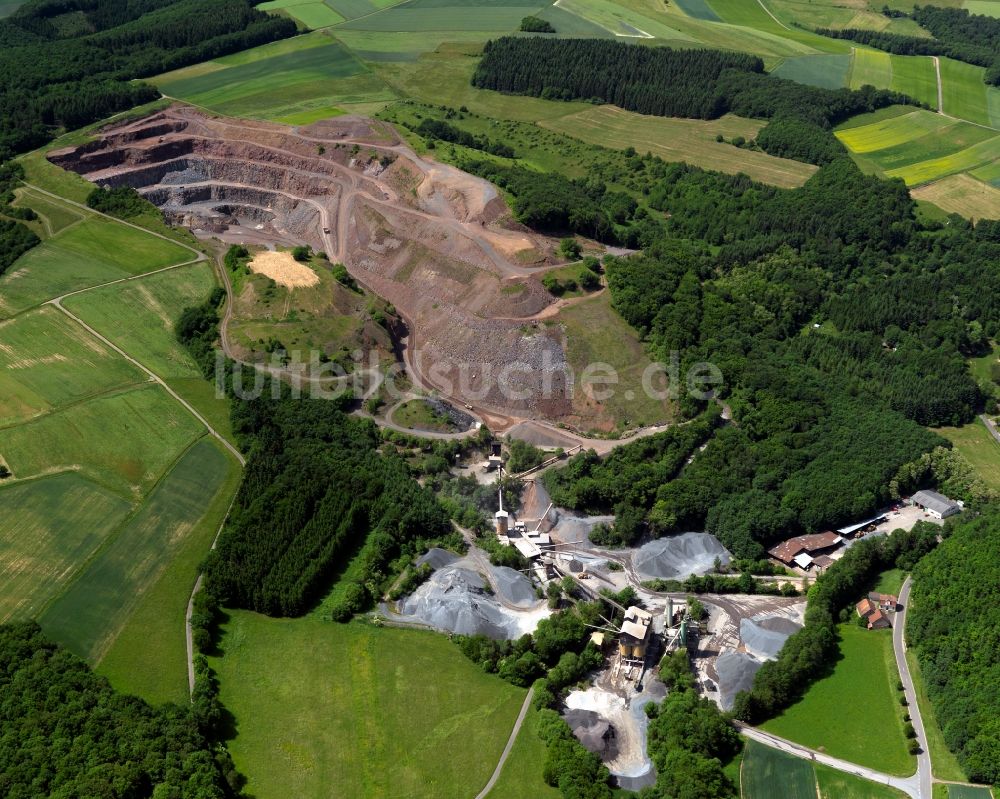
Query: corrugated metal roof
[(934, 501)]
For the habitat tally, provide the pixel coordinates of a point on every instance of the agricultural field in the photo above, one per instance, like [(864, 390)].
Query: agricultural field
[(595, 333), (88, 615), (962, 194), (48, 529), (968, 792), (139, 315), (124, 441), (822, 720), (46, 361), (53, 215), (310, 13), (979, 448), (690, 140), (89, 253), (825, 71), (450, 15), (294, 80), (770, 773), (965, 94), (355, 710)]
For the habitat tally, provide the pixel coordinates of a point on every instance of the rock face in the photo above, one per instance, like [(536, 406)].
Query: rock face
[(680, 556), (434, 241)]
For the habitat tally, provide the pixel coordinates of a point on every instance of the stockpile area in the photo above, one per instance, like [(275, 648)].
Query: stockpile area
[(457, 598), (680, 556)]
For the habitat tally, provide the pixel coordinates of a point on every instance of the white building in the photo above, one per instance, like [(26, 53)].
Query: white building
[(935, 504)]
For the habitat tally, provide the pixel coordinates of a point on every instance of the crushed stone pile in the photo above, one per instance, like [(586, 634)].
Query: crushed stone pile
[(515, 587), (765, 637), (680, 556), (595, 732), (736, 671), (575, 529), (438, 558), (458, 600)]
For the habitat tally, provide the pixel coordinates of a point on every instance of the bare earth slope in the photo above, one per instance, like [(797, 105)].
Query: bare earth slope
[(437, 243)]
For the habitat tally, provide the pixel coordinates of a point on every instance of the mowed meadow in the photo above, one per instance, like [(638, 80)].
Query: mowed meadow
[(116, 489)]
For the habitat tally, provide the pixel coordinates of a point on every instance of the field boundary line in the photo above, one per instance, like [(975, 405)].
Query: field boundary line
[(782, 24), (940, 89), (510, 745)]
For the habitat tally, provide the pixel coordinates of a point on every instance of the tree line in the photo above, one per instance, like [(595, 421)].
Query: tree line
[(52, 76), (953, 625), (67, 733), (15, 238), (701, 84), (958, 34)]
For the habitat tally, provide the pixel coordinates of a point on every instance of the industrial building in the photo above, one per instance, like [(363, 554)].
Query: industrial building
[(936, 505), (804, 550), (635, 633)]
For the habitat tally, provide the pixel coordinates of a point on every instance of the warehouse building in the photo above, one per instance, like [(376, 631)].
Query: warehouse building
[(936, 505)]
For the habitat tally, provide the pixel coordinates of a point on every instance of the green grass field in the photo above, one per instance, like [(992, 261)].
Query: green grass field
[(964, 91), (915, 76), (354, 710), (89, 253), (595, 333), (835, 784), (968, 792), (48, 528), (826, 71), (871, 68), (123, 441), (147, 658), (838, 713), (690, 140), (88, 615), (280, 80), (699, 9), (54, 216), (522, 773), (979, 448), (418, 414), (311, 14), (47, 361), (890, 582), (139, 315), (769, 774)]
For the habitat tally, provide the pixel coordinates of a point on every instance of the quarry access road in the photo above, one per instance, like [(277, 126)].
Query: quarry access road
[(510, 744)]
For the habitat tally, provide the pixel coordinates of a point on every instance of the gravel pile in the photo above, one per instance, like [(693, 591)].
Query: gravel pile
[(680, 556), (458, 600), (515, 587), (575, 529), (736, 671), (765, 637), (595, 732), (438, 558)]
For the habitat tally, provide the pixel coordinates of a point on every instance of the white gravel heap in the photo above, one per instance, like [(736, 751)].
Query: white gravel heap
[(680, 556)]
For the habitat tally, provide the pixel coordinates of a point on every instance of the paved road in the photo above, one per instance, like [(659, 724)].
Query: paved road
[(909, 785), (509, 746), (899, 647)]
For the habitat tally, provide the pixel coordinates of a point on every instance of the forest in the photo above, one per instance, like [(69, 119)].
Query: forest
[(15, 239), (67, 63), (840, 323), (67, 733), (702, 84), (954, 626), (958, 34)]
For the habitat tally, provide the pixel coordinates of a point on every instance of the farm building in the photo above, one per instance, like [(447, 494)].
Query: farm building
[(635, 633), (884, 602), (803, 550), (877, 618), (935, 504)]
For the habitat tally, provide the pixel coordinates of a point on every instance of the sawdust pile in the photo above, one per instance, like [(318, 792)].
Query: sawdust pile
[(283, 269)]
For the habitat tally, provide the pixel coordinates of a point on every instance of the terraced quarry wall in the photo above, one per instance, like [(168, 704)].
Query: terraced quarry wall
[(437, 243)]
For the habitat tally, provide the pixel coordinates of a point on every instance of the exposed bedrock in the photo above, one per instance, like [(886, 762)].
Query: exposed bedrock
[(434, 241)]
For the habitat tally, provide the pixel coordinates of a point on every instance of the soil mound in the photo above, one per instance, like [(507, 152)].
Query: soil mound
[(283, 269)]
